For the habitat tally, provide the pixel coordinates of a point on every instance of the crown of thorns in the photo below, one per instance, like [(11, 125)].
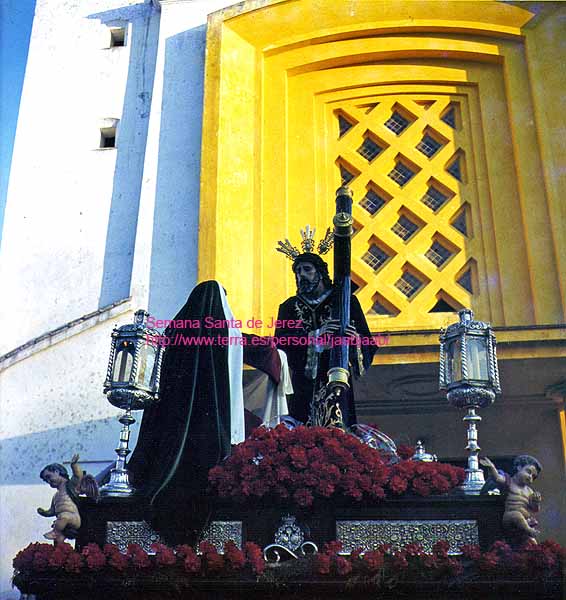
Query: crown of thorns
[(307, 243)]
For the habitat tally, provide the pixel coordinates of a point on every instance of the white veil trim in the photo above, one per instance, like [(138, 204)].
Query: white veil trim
[(235, 370)]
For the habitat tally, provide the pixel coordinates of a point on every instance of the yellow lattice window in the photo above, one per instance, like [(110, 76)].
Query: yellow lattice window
[(404, 156)]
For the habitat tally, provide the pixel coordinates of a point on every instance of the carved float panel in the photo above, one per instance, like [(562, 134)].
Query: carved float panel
[(370, 534)]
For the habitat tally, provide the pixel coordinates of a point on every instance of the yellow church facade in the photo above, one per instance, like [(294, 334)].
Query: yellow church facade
[(446, 120)]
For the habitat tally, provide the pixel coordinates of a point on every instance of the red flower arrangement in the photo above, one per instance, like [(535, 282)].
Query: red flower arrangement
[(310, 463), (63, 558), (531, 561)]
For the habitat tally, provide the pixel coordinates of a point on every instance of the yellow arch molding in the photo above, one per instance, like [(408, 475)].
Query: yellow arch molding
[(277, 72)]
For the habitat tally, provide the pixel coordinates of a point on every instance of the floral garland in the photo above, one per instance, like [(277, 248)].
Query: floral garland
[(308, 463), (531, 561), (46, 558)]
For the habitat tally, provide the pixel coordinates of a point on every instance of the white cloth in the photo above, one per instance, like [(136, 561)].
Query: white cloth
[(235, 368), (276, 400)]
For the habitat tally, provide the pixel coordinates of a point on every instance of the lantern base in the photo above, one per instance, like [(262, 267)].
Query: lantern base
[(119, 484), (473, 483)]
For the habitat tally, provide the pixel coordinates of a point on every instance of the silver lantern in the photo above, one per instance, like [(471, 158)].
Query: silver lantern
[(132, 383), (469, 373)]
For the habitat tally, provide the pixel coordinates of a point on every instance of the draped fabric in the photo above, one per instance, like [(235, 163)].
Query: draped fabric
[(189, 430), (199, 415)]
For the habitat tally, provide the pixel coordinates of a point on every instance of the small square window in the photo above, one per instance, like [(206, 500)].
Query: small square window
[(401, 174), (404, 228), (117, 37), (372, 202), (346, 175), (434, 199), (438, 254), (375, 257), (380, 309), (397, 123), (429, 146), (408, 284), (108, 137), (369, 149)]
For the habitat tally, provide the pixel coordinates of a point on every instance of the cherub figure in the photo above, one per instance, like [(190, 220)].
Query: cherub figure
[(64, 503), (521, 500)]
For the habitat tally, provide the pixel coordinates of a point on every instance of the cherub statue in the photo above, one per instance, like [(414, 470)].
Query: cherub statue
[(64, 503), (521, 500)]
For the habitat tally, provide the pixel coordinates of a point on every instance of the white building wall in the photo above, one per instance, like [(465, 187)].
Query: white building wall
[(52, 406), (69, 226), (86, 227), (165, 269)]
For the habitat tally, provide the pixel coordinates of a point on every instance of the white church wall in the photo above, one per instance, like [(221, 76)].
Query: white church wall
[(67, 246), (166, 270), (69, 227)]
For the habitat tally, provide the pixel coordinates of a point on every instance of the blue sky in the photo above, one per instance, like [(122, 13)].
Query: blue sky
[(16, 17)]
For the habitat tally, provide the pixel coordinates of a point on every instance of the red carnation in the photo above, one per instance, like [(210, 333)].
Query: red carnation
[(303, 497), (255, 558), (405, 452), (343, 566), (489, 562), (421, 487), (163, 554), (414, 550), (40, 561), (325, 489), (321, 564), (138, 556), (373, 560), (399, 561), (24, 558), (234, 556), (441, 548), (118, 561), (94, 557), (214, 562), (192, 563), (471, 551), (333, 547), (73, 563), (59, 557), (397, 484), (110, 550), (298, 457), (315, 454), (206, 547), (377, 492)]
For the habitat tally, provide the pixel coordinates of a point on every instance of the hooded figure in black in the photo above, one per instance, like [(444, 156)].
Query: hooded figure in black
[(199, 415)]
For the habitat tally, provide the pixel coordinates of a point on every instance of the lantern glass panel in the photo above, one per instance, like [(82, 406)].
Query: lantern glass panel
[(477, 358), (454, 361), (147, 356), (123, 363)]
